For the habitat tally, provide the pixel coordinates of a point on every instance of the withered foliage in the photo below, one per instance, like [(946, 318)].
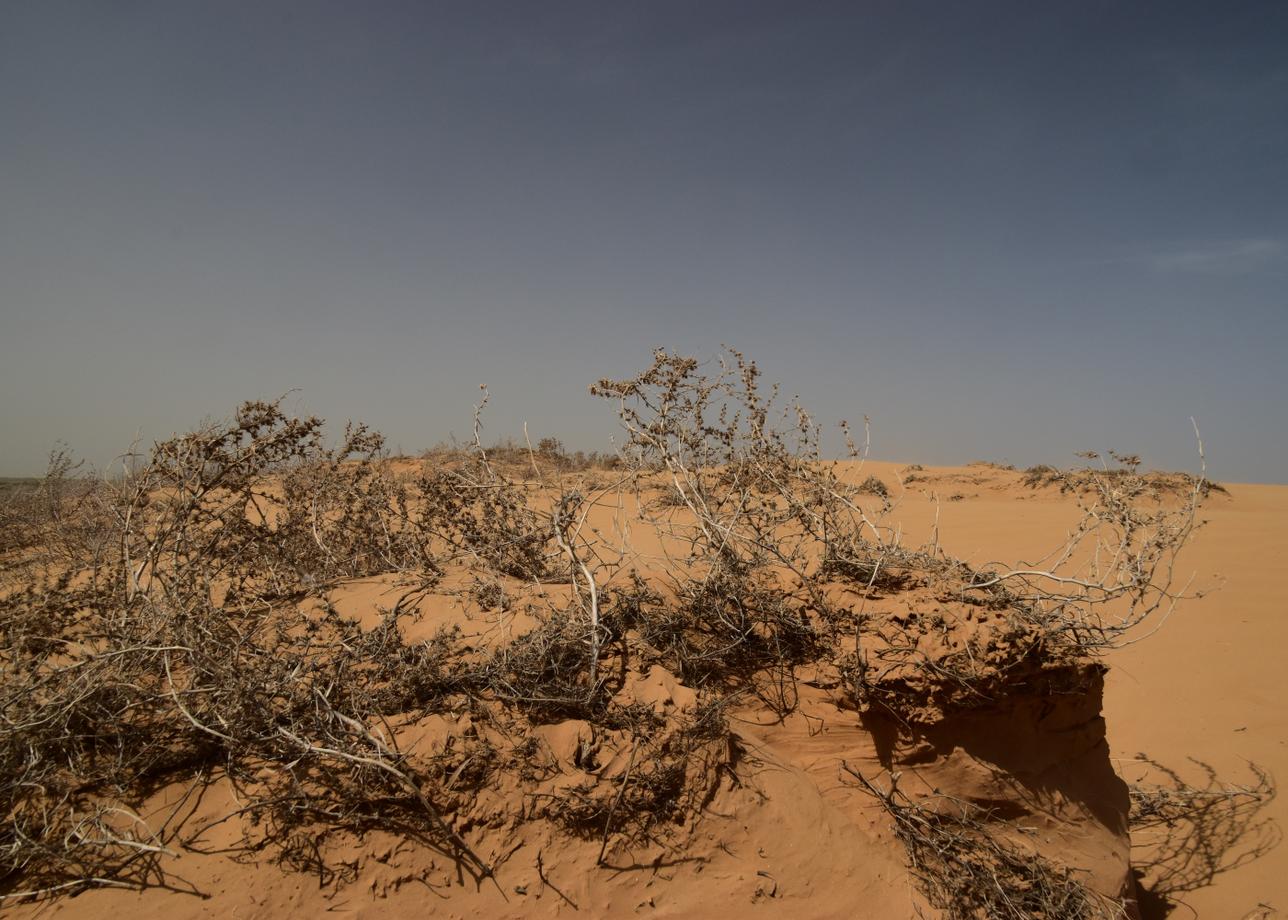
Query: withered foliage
[(172, 621), (966, 870)]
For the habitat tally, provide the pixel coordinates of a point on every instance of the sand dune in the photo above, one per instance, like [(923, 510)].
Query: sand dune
[(781, 832)]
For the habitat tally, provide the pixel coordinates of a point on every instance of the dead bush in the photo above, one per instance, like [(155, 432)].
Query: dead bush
[(1116, 570), (545, 672), (670, 774), (487, 520), (727, 627), (177, 626), (965, 870), (874, 486)]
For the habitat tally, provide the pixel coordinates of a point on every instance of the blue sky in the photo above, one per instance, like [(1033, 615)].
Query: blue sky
[(1003, 231)]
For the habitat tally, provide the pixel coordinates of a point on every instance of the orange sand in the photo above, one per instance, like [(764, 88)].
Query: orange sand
[(791, 840)]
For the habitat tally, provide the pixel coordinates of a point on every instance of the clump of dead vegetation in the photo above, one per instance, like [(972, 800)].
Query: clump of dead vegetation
[(172, 620), (767, 527), (548, 457), (966, 870), (177, 645), (1125, 470)]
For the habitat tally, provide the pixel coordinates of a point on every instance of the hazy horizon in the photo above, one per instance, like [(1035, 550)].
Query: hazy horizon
[(1003, 231)]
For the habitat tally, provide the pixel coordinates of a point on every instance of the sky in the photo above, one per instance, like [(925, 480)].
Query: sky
[(1003, 231)]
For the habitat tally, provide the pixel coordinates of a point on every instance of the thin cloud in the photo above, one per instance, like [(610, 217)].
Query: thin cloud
[(1232, 257)]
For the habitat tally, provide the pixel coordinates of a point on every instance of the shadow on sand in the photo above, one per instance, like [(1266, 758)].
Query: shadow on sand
[(1185, 834)]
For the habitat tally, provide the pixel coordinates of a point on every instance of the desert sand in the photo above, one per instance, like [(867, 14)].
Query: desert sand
[(787, 836)]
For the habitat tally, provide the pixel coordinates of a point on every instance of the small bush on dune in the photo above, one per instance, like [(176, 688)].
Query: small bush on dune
[(874, 486)]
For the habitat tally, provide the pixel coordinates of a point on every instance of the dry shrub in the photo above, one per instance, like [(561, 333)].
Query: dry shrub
[(1116, 570), (1083, 479), (485, 516), (767, 522), (545, 672), (548, 458), (853, 559), (727, 627), (182, 650), (1040, 475), (964, 868), (170, 692), (489, 593), (672, 771), (164, 632), (758, 502), (874, 486), (343, 515), (177, 642), (59, 519)]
